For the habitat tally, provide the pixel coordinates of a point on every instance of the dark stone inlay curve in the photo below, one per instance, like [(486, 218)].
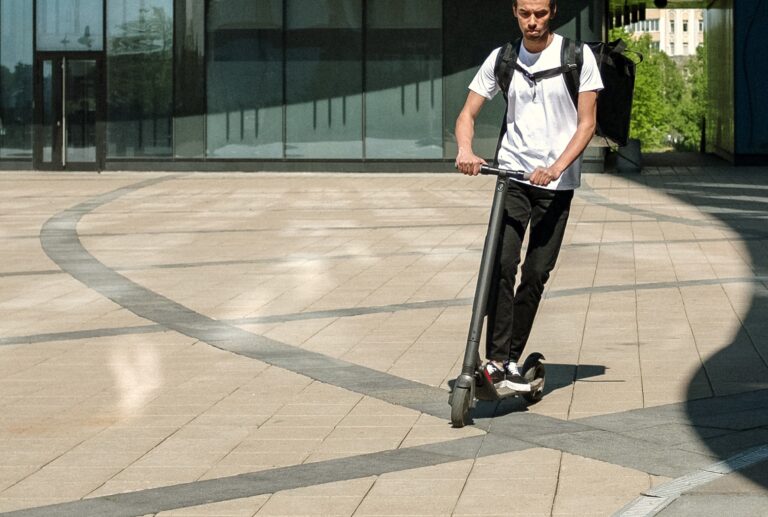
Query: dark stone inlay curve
[(61, 242)]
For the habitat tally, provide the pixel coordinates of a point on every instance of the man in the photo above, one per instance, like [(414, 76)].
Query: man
[(546, 135)]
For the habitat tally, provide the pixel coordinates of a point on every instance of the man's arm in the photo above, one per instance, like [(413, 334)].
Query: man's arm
[(585, 130), (466, 160)]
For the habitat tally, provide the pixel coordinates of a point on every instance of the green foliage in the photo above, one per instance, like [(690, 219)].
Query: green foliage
[(694, 102), (669, 100)]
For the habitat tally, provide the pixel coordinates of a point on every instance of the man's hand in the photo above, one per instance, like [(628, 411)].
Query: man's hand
[(469, 163), (543, 176)]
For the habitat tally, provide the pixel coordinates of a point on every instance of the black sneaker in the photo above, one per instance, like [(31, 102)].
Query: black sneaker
[(493, 373), (513, 379)]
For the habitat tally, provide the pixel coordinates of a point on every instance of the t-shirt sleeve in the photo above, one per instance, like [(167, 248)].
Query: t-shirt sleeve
[(484, 82), (590, 74)]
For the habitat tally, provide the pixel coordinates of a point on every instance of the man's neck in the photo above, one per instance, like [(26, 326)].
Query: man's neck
[(534, 46)]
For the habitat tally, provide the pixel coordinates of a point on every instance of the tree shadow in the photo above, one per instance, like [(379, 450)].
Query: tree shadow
[(729, 392)]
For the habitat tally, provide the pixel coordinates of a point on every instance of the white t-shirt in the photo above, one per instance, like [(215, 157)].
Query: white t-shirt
[(541, 117)]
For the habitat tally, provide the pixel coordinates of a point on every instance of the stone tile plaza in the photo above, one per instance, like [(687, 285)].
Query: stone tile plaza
[(224, 344)]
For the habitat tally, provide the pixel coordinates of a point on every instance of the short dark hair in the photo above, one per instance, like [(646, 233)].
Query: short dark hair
[(552, 4)]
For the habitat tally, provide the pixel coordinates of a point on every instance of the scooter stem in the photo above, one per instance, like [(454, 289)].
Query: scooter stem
[(480, 302)]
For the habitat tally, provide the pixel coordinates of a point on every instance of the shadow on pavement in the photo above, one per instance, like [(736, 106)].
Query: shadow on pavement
[(557, 376), (738, 373)]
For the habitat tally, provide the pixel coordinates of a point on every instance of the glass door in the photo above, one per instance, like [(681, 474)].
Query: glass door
[(69, 112)]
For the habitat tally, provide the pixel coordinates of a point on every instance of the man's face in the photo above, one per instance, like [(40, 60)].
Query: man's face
[(534, 17)]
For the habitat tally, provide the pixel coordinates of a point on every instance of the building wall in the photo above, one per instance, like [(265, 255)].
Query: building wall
[(737, 121), (750, 72), (720, 122)]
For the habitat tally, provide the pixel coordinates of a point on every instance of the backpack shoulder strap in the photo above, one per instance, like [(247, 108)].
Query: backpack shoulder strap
[(572, 53), (502, 71), (505, 65)]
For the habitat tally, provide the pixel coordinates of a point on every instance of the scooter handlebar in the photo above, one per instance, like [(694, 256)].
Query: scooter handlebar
[(505, 173)]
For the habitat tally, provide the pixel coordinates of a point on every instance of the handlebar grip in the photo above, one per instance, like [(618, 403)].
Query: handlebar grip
[(506, 173)]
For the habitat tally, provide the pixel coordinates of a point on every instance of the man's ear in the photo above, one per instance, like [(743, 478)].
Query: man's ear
[(554, 13)]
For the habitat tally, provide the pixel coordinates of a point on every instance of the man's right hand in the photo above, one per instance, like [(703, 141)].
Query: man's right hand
[(469, 163)]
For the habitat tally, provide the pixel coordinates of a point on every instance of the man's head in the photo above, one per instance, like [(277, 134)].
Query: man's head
[(534, 17)]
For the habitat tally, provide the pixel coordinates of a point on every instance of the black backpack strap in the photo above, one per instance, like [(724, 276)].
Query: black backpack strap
[(572, 55), (505, 65), (502, 71), (545, 74)]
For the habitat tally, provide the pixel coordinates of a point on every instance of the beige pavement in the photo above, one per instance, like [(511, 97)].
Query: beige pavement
[(119, 373)]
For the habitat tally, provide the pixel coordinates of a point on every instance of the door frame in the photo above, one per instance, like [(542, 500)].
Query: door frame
[(56, 163)]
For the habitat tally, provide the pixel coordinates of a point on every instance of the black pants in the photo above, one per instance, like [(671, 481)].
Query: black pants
[(511, 313)]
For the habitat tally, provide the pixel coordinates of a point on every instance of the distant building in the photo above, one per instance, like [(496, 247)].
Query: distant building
[(677, 32)]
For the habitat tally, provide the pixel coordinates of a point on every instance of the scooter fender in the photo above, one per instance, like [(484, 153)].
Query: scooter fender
[(465, 382), (531, 361)]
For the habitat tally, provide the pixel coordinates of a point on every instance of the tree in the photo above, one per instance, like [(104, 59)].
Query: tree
[(669, 101), (693, 106)]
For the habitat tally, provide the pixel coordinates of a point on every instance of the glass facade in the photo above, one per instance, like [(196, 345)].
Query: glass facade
[(247, 81), (244, 79), (80, 106), (189, 80), (404, 86), (139, 78), (16, 56), (48, 122), (324, 79), (70, 25), (309, 79)]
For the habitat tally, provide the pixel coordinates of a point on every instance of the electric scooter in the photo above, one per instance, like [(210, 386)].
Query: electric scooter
[(471, 385)]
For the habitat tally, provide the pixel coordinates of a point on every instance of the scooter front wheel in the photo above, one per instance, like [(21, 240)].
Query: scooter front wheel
[(460, 407)]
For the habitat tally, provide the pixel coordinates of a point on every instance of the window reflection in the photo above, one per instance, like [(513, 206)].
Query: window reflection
[(404, 87), (245, 79), (70, 25), (324, 75), (16, 79), (140, 78), (48, 127), (80, 110)]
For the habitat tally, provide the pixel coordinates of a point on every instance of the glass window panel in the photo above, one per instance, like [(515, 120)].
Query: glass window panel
[(245, 79), (49, 114), (402, 14), (16, 79), (324, 14), (70, 25), (189, 68), (139, 78), (324, 79), (80, 109), (404, 86)]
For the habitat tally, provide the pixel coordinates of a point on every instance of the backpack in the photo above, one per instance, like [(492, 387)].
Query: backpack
[(614, 103)]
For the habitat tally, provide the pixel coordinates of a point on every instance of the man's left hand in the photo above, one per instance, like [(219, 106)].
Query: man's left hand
[(543, 176)]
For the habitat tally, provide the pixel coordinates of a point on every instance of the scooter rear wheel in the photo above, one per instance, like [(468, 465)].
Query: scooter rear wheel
[(460, 407), (536, 395)]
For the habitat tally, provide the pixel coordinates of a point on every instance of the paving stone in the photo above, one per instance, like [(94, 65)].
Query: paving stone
[(331, 360)]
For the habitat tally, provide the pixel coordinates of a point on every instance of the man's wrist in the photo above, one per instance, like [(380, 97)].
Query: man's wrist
[(556, 170)]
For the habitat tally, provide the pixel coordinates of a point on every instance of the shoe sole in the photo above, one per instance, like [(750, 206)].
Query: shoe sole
[(523, 388)]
